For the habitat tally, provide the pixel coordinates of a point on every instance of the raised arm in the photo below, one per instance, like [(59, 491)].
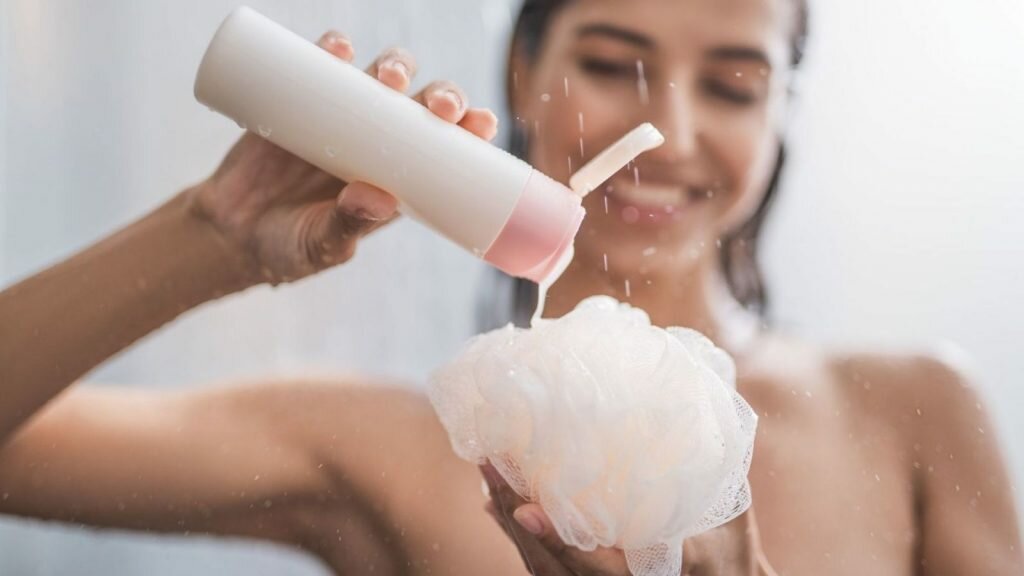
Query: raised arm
[(264, 216), (362, 476)]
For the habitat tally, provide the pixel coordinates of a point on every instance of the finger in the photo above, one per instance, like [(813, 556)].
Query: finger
[(337, 44), (395, 67), (538, 560), (610, 561), (480, 121), (360, 201), (359, 209), (533, 519), (445, 99), (491, 510)]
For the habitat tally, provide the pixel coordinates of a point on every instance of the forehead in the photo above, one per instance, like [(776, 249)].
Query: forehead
[(687, 25)]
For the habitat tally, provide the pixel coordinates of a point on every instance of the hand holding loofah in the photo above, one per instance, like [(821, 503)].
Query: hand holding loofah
[(626, 434)]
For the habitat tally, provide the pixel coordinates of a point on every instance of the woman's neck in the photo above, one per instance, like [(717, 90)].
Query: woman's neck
[(696, 297)]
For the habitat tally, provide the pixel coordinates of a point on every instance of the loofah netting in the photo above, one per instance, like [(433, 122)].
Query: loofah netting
[(626, 434)]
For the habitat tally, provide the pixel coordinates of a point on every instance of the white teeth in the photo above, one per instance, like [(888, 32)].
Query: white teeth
[(651, 194)]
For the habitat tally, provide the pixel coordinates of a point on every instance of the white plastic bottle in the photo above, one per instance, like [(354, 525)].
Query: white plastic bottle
[(338, 118)]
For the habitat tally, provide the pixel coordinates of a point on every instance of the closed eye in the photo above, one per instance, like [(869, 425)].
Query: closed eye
[(730, 94), (603, 68)]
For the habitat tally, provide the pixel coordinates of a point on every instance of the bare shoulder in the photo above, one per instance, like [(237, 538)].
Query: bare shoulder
[(910, 398), (925, 396)]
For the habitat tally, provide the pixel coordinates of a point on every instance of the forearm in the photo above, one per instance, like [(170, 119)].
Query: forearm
[(59, 324)]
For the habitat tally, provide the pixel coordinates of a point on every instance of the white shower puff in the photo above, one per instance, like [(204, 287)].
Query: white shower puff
[(626, 434)]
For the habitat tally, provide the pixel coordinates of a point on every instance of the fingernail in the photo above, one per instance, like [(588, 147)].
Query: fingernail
[(364, 206), (449, 95), (529, 521), (364, 214), (396, 65)]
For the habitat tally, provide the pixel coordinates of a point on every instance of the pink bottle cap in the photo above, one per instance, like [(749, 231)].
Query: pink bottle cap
[(541, 228)]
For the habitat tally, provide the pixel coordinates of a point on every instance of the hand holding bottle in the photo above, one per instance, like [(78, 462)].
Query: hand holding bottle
[(290, 219)]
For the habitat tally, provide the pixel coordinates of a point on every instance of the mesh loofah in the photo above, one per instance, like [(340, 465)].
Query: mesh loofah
[(626, 434)]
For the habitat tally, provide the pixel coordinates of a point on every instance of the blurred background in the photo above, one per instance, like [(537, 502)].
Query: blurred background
[(900, 225)]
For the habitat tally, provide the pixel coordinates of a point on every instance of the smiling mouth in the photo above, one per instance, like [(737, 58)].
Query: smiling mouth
[(651, 202)]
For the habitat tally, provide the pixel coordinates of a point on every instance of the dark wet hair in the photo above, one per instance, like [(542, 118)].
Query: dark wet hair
[(739, 250)]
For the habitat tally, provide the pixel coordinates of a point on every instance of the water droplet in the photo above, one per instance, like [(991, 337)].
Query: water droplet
[(671, 84), (636, 175), (565, 80), (711, 193), (264, 130), (718, 242), (650, 251), (331, 152), (581, 122), (569, 159), (545, 97), (605, 203), (582, 155), (628, 291), (436, 547), (739, 74), (641, 83), (606, 262)]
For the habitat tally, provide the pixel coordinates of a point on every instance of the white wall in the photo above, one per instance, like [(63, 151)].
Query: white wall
[(898, 225)]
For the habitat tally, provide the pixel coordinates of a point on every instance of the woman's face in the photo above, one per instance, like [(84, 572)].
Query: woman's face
[(710, 74)]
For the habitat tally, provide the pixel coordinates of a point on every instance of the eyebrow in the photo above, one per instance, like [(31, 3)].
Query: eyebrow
[(739, 53), (612, 31)]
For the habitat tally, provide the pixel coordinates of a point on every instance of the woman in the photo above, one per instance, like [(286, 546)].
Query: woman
[(881, 465)]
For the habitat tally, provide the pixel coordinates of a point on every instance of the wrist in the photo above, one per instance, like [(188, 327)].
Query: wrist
[(233, 264), (200, 260)]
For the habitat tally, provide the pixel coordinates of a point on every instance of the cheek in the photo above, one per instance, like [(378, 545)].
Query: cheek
[(745, 150), (570, 121)]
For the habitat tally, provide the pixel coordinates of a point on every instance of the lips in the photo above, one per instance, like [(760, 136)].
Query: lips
[(650, 202)]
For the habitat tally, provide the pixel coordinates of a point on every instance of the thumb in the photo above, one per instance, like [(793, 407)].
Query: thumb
[(359, 209), (360, 202)]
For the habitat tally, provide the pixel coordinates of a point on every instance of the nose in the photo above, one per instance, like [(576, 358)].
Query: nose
[(674, 114)]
